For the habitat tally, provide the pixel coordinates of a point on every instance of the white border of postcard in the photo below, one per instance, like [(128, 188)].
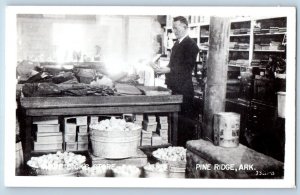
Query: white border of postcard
[(10, 103)]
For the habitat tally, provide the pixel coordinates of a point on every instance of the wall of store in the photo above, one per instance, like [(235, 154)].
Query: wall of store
[(53, 38)]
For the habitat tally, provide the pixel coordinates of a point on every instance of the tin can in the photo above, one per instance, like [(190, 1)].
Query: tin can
[(226, 129)]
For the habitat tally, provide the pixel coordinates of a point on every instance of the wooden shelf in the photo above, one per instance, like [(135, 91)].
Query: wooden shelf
[(239, 35), (277, 51), (239, 50), (268, 34), (234, 65)]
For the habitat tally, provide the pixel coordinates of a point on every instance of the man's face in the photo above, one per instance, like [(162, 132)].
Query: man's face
[(179, 29)]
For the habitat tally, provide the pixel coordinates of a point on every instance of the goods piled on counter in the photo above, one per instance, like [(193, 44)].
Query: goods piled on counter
[(47, 137), (56, 164), (126, 171), (114, 138), (76, 135), (51, 89)]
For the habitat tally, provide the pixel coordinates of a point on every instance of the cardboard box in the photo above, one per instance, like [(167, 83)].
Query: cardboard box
[(139, 117), (71, 146), (163, 119), (94, 119), (82, 137), (164, 126), (81, 120), (49, 137), (83, 129), (45, 120), (149, 126), (43, 147), (156, 140), (82, 146), (150, 118), (70, 128), (70, 137), (48, 128)]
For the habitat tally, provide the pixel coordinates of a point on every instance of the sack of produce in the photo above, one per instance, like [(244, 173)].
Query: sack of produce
[(126, 171), (40, 89), (58, 164), (115, 138)]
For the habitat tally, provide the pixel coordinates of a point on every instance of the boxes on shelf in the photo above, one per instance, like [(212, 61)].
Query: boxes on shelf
[(156, 140), (97, 118), (45, 120), (82, 137), (139, 119), (40, 147), (51, 137), (70, 128), (77, 120), (47, 128), (163, 119), (81, 120), (128, 117), (149, 126), (71, 146), (70, 137), (150, 118), (82, 146), (146, 138), (83, 129)]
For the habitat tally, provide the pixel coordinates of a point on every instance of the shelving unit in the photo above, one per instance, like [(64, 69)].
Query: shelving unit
[(269, 37), (239, 54)]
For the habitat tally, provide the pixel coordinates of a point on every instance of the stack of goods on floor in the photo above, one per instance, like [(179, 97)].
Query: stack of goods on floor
[(163, 128), (48, 136), (149, 135), (173, 157), (155, 130), (139, 121), (76, 133)]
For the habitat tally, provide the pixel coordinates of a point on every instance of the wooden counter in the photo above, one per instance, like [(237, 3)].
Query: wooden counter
[(97, 105)]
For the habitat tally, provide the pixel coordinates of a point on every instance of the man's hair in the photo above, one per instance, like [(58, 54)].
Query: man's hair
[(181, 19)]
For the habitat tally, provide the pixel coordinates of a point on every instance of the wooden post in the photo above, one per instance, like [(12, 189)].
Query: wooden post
[(215, 89)]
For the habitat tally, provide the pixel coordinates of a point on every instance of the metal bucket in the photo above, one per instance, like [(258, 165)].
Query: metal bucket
[(226, 129), (115, 144)]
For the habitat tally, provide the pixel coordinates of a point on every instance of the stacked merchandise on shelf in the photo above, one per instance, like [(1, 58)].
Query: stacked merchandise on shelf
[(155, 130), (204, 45), (48, 136), (138, 121), (242, 62), (149, 134), (240, 31), (236, 45), (76, 133), (163, 128)]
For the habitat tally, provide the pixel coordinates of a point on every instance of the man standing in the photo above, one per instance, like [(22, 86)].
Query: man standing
[(179, 76)]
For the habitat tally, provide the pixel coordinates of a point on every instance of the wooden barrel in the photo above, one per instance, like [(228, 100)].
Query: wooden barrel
[(226, 129)]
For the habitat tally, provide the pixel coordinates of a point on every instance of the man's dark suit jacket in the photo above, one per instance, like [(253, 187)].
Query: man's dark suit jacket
[(182, 62)]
